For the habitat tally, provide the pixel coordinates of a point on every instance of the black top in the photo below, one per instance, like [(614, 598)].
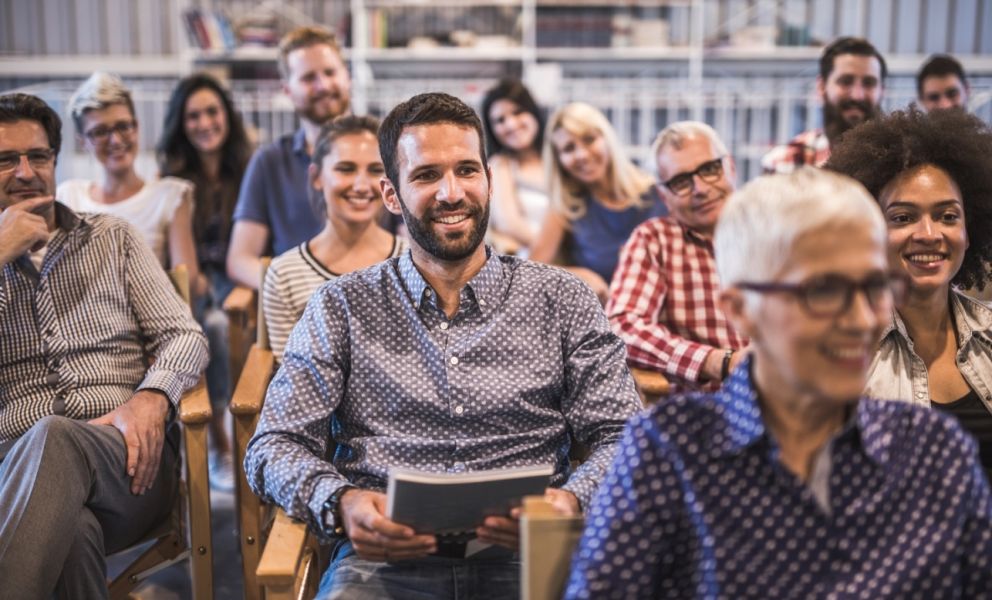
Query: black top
[(976, 419)]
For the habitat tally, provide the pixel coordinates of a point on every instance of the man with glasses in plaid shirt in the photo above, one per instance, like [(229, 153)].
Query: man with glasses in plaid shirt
[(663, 300)]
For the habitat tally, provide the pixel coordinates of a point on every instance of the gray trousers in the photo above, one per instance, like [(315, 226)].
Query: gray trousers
[(65, 503)]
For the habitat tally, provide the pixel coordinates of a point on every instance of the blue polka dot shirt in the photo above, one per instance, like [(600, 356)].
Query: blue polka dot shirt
[(527, 363), (698, 505)]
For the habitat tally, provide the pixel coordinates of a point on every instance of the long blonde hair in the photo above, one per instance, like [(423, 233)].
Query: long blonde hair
[(626, 181)]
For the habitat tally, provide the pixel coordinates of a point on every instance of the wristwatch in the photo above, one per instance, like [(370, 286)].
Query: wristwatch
[(332, 511)]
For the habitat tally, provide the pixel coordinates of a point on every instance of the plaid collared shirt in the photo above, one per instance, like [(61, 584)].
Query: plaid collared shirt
[(808, 148), (663, 302), (76, 337)]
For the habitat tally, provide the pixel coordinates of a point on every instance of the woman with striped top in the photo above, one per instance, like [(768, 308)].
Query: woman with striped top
[(344, 172)]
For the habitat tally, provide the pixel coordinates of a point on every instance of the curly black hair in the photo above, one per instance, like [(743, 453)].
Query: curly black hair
[(958, 143)]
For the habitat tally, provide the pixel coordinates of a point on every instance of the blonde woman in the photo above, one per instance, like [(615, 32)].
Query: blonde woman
[(161, 209), (598, 196)]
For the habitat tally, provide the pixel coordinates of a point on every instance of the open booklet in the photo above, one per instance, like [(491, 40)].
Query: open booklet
[(457, 503)]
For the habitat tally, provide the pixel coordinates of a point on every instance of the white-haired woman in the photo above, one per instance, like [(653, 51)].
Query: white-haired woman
[(787, 482), (161, 209), (598, 196)]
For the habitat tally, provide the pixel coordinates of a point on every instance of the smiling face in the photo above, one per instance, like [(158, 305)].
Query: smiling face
[(443, 190), (349, 179), (825, 359), (585, 156), (700, 208), (205, 121), (111, 134), (25, 181), (514, 127), (317, 83), (851, 93), (924, 213)]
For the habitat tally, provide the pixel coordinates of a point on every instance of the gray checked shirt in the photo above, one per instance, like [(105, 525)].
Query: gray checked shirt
[(527, 361)]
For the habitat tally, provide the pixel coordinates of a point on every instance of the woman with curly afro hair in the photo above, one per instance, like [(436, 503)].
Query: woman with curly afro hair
[(932, 176)]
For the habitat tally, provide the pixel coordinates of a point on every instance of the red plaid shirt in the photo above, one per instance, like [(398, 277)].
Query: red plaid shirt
[(663, 302), (808, 148)]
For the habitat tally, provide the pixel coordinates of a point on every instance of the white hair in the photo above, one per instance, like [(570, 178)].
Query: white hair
[(99, 91), (676, 134), (761, 223)]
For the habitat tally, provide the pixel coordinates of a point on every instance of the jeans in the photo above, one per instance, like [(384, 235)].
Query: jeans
[(351, 578), (209, 313)]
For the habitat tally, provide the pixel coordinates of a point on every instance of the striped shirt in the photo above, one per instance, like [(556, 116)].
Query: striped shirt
[(289, 283), (76, 338)]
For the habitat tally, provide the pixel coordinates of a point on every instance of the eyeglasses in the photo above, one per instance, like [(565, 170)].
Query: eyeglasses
[(101, 134), (710, 172), (831, 295), (39, 158)]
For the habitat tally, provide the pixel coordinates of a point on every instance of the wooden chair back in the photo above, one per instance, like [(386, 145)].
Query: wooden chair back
[(547, 541)]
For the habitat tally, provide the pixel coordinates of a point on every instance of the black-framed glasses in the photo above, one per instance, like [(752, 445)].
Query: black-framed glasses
[(101, 134), (38, 158), (832, 295), (710, 172)]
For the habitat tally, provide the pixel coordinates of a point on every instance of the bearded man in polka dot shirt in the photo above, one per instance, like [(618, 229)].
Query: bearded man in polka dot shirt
[(449, 358)]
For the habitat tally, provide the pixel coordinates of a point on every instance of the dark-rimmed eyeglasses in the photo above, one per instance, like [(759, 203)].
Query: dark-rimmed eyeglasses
[(683, 183), (38, 158), (101, 134), (832, 295)]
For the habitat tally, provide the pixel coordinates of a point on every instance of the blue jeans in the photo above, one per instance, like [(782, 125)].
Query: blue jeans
[(350, 578)]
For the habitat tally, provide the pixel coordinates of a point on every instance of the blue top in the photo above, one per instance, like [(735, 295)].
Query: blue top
[(528, 360), (276, 192), (599, 235), (698, 505)]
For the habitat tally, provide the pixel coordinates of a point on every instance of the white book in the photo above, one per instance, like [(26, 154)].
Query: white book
[(446, 503)]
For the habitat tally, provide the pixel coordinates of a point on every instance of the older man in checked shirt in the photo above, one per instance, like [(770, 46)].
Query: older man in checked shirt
[(663, 299), (86, 464), (449, 358)]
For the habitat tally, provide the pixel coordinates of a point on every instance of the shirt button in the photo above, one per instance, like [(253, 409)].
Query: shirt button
[(52, 379), (454, 360), (427, 292), (482, 302), (459, 409), (921, 395), (444, 326)]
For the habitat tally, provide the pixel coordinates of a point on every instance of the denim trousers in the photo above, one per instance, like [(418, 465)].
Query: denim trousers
[(351, 578)]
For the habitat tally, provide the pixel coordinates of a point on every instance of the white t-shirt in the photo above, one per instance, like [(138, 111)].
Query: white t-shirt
[(150, 211)]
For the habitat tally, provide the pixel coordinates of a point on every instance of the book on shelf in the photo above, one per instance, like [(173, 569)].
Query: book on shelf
[(455, 504)]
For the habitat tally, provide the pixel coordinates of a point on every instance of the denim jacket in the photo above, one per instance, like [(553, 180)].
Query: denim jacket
[(897, 373)]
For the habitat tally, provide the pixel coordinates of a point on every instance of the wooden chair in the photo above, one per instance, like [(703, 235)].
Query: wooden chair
[(547, 541), (651, 385), (186, 533), (241, 308)]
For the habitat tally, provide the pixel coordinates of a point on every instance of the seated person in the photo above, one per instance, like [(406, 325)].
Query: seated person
[(86, 463), (598, 196), (941, 84), (450, 358), (787, 482), (345, 175), (663, 301), (932, 176)]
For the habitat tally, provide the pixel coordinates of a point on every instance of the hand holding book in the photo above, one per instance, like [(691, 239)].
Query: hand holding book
[(376, 537), (505, 531)]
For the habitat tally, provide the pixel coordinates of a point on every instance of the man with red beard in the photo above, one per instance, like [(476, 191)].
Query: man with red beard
[(664, 298), (850, 83), (274, 212), (449, 359)]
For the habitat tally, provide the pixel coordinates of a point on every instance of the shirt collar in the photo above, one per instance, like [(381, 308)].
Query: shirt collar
[(300, 142), (738, 399), (971, 317), (65, 218), (483, 289), (692, 236)]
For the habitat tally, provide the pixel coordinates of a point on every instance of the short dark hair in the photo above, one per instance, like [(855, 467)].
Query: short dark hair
[(25, 107), (939, 65), (424, 109), (516, 92), (879, 150), (329, 134), (848, 45)]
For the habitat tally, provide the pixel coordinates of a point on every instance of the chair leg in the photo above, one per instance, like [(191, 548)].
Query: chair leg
[(167, 550), (200, 536), (249, 509)]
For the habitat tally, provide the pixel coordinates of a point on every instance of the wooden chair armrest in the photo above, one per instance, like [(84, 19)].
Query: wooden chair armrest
[(194, 406), (283, 551), (250, 391), (651, 383), (240, 303)]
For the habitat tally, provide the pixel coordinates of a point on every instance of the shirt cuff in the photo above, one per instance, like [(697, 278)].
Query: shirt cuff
[(321, 492), (165, 382)]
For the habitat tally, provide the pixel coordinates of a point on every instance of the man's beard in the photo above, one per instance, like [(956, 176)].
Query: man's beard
[(443, 247), (323, 117), (834, 123)]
